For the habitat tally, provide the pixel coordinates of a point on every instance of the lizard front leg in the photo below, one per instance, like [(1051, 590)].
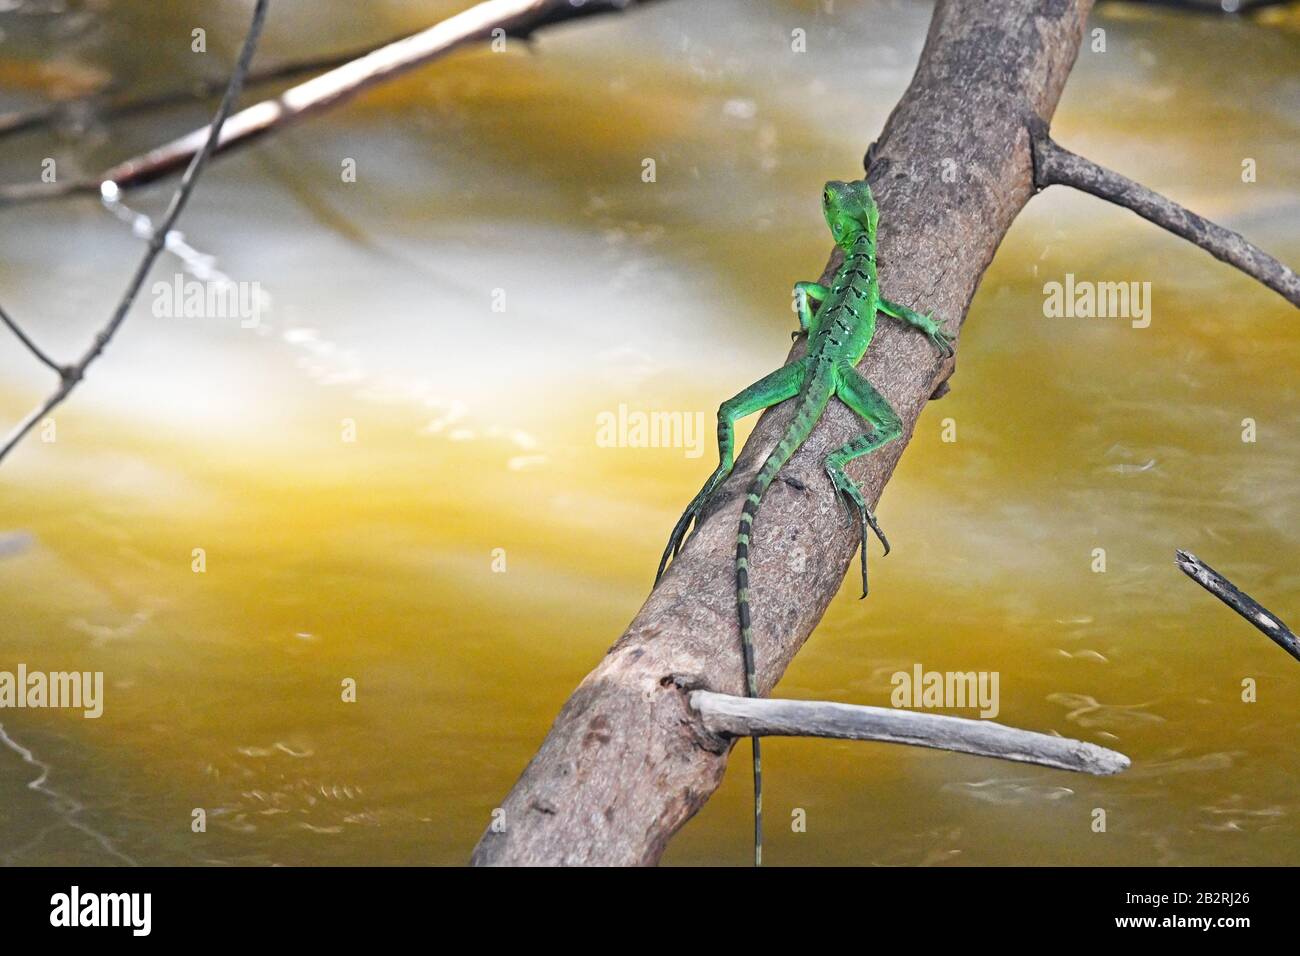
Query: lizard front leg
[(803, 292), (861, 397), (784, 383), (924, 323)]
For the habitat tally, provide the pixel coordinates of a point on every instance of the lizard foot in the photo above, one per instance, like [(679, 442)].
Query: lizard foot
[(939, 337), (678, 536), (942, 340), (848, 492)]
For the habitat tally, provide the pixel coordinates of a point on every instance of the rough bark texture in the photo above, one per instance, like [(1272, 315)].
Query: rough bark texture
[(627, 761)]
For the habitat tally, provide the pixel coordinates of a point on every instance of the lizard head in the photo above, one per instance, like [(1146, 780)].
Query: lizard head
[(850, 211)]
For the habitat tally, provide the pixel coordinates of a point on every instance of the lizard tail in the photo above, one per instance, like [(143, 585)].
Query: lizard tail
[(789, 444)]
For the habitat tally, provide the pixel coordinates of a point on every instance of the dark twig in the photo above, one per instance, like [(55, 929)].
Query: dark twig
[(1239, 601), (72, 374), (31, 346), (731, 716), (1055, 165)]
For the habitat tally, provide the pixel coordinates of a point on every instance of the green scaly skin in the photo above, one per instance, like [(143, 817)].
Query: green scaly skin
[(839, 325)]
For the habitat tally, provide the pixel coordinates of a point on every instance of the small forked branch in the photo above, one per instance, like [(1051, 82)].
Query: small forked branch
[(70, 375), (1054, 165)]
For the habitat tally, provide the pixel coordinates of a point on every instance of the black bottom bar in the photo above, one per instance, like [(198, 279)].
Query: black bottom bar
[(924, 906)]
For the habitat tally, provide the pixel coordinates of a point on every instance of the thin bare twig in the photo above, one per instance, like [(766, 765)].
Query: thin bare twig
[(515, 17), (1055, 165), (1239, 601), (72, 374), (731, 716), (31, 346)]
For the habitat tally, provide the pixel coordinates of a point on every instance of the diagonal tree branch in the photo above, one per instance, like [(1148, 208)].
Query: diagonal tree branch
[(628, 761), (69, 376), (1055, 165), (518, 18)]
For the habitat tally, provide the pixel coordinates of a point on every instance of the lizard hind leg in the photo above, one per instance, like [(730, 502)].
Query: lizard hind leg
[(784, 383), (861, 396), (852, 496)]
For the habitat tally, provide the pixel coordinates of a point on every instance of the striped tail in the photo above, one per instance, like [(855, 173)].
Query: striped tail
[(794, 436)]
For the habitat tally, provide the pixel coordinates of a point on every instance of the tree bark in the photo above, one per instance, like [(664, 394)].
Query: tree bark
[(627, 761)]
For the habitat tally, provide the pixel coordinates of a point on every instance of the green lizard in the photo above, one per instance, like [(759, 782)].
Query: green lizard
[(839, 329)]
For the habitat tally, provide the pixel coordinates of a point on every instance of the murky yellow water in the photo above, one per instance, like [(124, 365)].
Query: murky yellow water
[(476, 431)]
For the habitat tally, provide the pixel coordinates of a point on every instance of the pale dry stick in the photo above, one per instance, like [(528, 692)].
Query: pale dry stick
[(1055, 165), (1237, 599), (731, 716), (478, 23), (70, 375)]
